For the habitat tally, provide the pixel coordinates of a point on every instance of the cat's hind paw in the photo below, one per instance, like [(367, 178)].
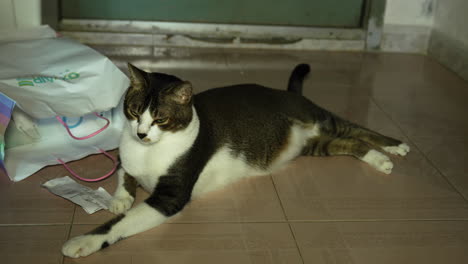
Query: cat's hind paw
[(82, 246), (121, 205), (401, 149), (379, 161)]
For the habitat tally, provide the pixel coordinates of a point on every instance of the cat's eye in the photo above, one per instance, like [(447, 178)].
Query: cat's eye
[(133, 112), (135, 115), (160, 121)]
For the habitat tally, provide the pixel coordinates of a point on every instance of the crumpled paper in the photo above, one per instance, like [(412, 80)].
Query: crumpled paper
[(90, 200)]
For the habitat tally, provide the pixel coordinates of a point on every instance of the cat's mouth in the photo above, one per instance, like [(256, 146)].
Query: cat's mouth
[(146, 141)]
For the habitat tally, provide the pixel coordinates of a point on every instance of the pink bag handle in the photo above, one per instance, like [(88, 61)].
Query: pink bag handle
[(88, 136), (116, 163)]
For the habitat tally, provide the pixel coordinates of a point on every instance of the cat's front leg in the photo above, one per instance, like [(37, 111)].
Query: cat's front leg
[(138, 219), (170, 196), (125, 193)]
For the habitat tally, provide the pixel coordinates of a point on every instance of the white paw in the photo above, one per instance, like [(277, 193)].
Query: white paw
[(82, 246), (401, 149), (379, 161), (121, 205)]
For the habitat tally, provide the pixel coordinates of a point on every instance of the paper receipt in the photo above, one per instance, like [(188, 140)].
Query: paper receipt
[(90, 200)]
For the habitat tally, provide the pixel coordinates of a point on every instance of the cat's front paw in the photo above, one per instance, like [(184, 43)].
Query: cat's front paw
[(121, 205), (82, 246), (401, 149), (379, 161)]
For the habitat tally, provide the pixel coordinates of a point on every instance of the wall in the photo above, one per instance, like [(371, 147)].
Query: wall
[(407, 25), (19, 14), (451, 18), (410, 12), (449, 38)]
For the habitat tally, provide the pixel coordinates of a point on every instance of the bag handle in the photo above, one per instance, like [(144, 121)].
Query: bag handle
[(116, 163), (88, 136)]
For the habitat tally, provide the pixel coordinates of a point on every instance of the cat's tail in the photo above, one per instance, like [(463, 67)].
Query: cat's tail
[(297, 78)]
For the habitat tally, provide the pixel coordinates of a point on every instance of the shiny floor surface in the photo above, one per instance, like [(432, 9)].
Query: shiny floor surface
[(318, 210)]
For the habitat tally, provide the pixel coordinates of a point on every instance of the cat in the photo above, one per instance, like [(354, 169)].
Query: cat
[(179, 146)]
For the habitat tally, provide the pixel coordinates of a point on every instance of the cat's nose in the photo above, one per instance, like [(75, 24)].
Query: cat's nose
[(141, 135)]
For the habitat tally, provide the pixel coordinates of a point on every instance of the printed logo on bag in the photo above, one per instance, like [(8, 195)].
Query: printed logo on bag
[(37, 80)]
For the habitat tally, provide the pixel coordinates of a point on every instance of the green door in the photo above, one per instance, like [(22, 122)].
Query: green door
[(316, 13)]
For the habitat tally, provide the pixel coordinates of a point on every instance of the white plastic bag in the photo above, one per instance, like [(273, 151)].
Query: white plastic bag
[(24, 155), (58, 76), (52, 78)]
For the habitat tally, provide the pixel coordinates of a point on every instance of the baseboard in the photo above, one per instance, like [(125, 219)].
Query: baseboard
[(139, 36), (138, 40), (199, 35)]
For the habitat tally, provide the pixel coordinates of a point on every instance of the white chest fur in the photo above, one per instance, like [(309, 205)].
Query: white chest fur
[(149, 162)]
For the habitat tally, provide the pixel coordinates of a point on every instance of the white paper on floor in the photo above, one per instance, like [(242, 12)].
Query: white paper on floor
[(90, 200)]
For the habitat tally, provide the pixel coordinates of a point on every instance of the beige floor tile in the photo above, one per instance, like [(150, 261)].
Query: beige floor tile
[(204, 79), (32, 244), (424, 98), (249, 200), (26, 202), (91, 167), (201, 243), (329, 74), (383, 242), (407, 76), (408, 84), (344, 188), (428, 116), (449, 155), (413, 67)]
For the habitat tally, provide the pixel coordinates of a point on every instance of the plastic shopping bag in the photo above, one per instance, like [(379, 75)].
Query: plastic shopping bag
[(6, 108), (68, 98), (56, 76), (25, 155)]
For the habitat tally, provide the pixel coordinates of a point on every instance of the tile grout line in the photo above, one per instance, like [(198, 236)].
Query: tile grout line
[(287, 220), (274, 222), (379, 220), (225, 58), (312, 221), (52, 224), (420, 151), (296, 243), (69, 232), (279, 199)]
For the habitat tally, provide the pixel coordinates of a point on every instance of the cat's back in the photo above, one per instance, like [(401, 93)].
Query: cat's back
[(246, 102), (254, 128)]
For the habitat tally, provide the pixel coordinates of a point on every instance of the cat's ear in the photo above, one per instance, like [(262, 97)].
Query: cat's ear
[(182, 93), (137, 77)]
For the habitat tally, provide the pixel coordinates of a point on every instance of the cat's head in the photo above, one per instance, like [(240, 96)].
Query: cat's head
[(156, 104)]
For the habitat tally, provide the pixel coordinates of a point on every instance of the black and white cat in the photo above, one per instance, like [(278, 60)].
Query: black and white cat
[(178, 146)]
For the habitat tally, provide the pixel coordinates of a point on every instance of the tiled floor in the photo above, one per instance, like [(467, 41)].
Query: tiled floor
[(318, 210)]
